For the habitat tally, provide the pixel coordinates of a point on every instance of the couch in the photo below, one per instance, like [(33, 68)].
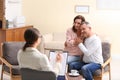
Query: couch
[(55, 41), (52, 41), (9, 60)]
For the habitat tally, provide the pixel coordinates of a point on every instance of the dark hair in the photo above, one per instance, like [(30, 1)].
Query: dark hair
[(31, 36), (77, 17)]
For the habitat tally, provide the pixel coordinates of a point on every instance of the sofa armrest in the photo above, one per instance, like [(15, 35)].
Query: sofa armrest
[(106, 63), (46, 38), (5, 62)]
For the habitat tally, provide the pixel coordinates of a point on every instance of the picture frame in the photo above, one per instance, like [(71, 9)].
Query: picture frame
[(81, 9), (103, 4)]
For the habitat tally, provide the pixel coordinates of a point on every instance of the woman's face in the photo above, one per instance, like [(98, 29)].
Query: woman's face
[(77, 23), (39, 40)]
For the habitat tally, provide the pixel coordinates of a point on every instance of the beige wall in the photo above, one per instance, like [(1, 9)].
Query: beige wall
[(57, 15)]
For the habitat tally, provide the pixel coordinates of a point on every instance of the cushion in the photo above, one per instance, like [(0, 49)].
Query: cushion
[(31, 74), (10, 50), (106, 50), (98, 72), (59, 36), (48, 37), (54, 45), (15, 69)]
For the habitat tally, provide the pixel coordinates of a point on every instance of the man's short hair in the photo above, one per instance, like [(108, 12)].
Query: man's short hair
[(87, 23)]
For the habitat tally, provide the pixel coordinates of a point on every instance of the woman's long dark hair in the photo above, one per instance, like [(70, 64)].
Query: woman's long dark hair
[(77, 17), (31, 36)]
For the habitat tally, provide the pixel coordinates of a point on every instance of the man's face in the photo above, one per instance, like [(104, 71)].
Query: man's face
[(85, 30), (77, 23)]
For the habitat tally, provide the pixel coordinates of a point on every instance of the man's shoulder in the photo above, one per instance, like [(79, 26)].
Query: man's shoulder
[(94, 37), (97, 39)]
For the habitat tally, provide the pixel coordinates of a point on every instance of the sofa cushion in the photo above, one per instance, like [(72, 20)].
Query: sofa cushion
[(10, 50), (59, 36), (99, 71), (31, 74), (54, 45), (48, 37), (15, 69), (106, 50)]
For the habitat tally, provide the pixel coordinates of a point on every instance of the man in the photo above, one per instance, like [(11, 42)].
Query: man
[(92, 51)]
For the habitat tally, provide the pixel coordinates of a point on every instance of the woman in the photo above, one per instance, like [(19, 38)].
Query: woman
[(71, 34), (30, 57)]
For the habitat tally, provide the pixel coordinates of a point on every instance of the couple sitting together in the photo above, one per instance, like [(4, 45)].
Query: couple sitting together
[(84, 47)]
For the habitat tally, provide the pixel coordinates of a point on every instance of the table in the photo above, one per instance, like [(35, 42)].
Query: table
[(73, 78)]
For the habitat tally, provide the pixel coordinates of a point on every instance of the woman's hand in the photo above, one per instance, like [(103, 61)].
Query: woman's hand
[(58, 57), (77, 41)]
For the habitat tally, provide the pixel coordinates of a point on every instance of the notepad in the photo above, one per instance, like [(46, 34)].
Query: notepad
[(63, 62)]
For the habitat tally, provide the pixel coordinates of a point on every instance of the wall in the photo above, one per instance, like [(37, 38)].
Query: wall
[(57, 15)]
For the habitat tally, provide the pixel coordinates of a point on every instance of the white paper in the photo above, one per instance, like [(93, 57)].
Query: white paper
[(52, 58)]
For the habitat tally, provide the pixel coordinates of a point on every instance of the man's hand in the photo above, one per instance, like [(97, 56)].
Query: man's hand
[(77, 41)]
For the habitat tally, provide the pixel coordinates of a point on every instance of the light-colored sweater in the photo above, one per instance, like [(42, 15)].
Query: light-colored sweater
[(71, 48), (92, 50), (33, 59)]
